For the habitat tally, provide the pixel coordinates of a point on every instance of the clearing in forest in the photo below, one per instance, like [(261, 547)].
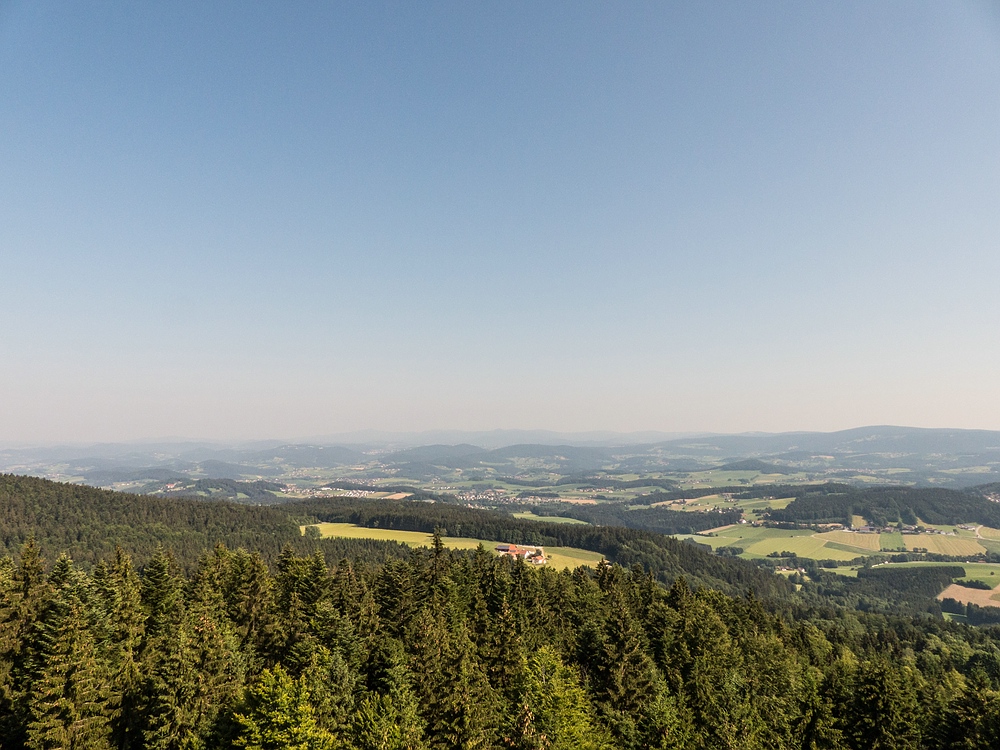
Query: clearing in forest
[(982, 597), (558, 557), (528, 516)]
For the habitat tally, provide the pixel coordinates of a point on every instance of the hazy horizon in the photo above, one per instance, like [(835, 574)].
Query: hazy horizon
[(234, 223)]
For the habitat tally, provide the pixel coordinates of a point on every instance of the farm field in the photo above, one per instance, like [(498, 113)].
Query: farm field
[(716, 478), (863, 542), (548, 519), (716, 502), (758, 541), (803, 546), (559, 557), (892, 542), (982, 597), (944, 545)]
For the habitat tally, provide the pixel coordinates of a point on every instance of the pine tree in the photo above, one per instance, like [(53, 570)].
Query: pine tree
[(24, 596), (118, 589), (69, 707), (559, 706), (883, 712), (973, 718), (388, 717), (278, 715), (456, 701)]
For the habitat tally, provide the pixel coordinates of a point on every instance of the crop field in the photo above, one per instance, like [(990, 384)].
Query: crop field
[(863, 542), (988, 533), (982, 597), (559, 557), (944, 545), (803, 546), (716, 478), (758, 541), (858, 521)]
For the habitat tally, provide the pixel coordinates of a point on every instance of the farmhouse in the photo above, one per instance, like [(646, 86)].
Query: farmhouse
[(534, 555)]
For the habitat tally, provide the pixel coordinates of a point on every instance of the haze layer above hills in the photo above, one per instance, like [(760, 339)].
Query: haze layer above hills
[(900, 455)]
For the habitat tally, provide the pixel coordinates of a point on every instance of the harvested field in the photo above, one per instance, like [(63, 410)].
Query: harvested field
[(989, 533), (944, 545), (982, 597)]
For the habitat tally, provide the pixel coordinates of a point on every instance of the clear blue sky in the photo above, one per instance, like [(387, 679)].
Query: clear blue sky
[(257, 220)]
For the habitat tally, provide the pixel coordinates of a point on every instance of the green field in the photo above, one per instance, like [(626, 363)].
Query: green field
[(548, 519), (892, 542), (864, 543), (559, 557), (759, 541)]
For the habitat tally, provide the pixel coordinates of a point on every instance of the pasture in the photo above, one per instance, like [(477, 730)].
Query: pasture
[(548, 519), (892, 542), (559, 557), (759, 541), (862, 542)]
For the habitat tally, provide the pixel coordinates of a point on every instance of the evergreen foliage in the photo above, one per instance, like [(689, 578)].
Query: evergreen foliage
[(451, 650)]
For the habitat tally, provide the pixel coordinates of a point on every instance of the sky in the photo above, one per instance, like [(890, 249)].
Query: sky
[(276, 220)]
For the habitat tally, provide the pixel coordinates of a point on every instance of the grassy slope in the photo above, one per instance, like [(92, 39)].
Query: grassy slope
[(559, 557)]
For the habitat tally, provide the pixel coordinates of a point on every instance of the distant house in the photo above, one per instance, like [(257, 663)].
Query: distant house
[(534, 555)]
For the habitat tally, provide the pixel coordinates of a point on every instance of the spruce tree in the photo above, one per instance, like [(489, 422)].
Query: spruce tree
[(69, 707), (278, 715)]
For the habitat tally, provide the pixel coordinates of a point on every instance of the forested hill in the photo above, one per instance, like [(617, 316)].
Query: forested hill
[(88, 524), (667, 558), (889, 505)]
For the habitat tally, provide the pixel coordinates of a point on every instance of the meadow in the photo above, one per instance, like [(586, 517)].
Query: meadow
[(548, 519), (760, 541), (559, 557)]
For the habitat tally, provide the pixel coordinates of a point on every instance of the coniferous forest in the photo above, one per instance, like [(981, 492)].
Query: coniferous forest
[(430, 648)]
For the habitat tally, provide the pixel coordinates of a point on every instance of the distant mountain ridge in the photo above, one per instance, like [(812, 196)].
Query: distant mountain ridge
[(928, 456)]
